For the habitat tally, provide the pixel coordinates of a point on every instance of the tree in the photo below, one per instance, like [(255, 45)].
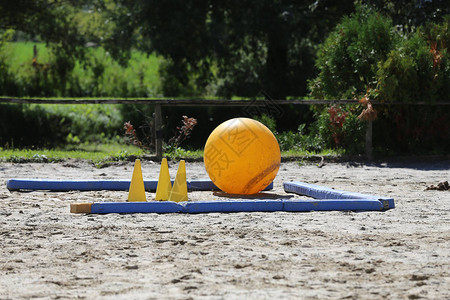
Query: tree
[(410, 14), (242, 47), (52, 22)]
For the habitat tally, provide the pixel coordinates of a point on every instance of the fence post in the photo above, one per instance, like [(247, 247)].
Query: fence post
[(369, 140), (158, 132)]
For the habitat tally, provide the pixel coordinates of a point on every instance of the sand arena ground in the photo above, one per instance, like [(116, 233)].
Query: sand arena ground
[(404, 253)]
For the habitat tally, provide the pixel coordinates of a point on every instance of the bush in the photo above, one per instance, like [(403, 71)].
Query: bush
[(413, 129), (25, 125), (22, 126), (418, 70), (268, 121), (347, 61), (338, 127), (365, 55), (334, 128)]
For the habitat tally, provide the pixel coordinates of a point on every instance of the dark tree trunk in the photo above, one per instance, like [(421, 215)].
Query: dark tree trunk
[(277, 65)]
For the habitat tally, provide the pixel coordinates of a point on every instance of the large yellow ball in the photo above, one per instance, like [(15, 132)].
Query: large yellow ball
[(242, 156)]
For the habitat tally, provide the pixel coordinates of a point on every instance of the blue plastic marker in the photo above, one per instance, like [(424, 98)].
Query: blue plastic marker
[(321, 192), (98, 185), (228, 206)]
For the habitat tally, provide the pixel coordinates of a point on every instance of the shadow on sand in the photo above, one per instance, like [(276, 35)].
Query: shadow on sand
[(262, 195)]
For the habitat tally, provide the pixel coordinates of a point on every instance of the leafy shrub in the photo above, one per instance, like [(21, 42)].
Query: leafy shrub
[(366, 55), (338, 127), (419, 69), (347, 61), (89, 122), (289, 140), (322, 134), (25, 126), (268, 121), (33, 125)]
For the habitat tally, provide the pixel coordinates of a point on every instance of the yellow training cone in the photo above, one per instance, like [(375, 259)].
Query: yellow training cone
[(137, 189), (179, 189), (164, 185)]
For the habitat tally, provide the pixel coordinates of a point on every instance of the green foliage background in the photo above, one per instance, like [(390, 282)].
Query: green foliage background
[(389, 51), (367, 55)]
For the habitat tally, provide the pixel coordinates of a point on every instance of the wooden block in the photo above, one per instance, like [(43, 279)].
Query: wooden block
[(80, 208)]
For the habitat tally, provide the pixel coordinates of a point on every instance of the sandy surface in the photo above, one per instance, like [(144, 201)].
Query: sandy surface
[(404, 253)]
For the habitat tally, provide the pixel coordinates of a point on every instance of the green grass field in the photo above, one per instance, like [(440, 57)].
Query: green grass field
[(103, 154), (98, 154), (21, 53)]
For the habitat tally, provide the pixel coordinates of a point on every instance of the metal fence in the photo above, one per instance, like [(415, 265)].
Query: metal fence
[(262, 105)]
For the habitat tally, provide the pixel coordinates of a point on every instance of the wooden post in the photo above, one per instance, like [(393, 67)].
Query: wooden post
[(369, 140), (158, 133)]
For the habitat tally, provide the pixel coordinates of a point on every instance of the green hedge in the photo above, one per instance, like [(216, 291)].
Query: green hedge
[(33, 125), (366, 56)]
